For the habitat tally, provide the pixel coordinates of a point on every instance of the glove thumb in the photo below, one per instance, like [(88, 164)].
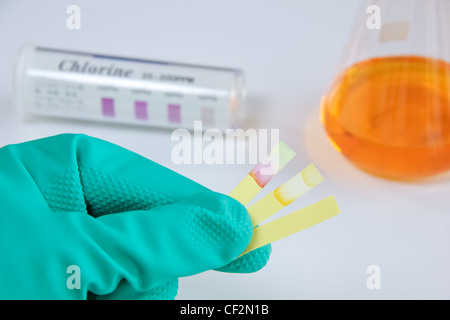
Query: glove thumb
[(148, 248)]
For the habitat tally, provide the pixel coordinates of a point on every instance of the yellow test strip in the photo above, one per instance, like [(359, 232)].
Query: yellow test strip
[(261, 174), (288, 192), (292, 223), (246, 190)]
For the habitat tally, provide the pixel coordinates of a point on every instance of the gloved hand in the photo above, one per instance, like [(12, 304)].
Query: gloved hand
[(76, 210)]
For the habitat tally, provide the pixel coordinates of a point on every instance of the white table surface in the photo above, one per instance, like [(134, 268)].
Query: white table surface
[(289, 51)]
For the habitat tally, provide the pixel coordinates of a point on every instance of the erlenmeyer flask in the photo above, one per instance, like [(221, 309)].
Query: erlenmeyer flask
[(388, 109)]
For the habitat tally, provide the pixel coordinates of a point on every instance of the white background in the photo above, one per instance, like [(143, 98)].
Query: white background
[(289, 51)]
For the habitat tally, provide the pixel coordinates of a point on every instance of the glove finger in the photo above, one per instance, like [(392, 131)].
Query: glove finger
[(250, 262), (125, 291), (79, 173), (151, 247)]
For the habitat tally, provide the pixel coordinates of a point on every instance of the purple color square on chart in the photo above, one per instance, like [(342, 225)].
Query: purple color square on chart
[(140, 110), (208, 116), (108, 107), (174, 113)]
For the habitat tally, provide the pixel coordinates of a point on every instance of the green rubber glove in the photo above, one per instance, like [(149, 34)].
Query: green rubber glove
[(83, 218)]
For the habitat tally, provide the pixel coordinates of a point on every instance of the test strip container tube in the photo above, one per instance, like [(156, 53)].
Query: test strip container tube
[(77, 85)]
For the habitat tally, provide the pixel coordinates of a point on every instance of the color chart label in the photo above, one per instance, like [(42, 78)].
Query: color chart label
[(139, 91)]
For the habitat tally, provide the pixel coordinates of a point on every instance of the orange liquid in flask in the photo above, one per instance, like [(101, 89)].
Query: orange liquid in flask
[(391, 116)]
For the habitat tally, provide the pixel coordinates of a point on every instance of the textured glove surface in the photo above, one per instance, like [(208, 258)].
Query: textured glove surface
[(131, 226)]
